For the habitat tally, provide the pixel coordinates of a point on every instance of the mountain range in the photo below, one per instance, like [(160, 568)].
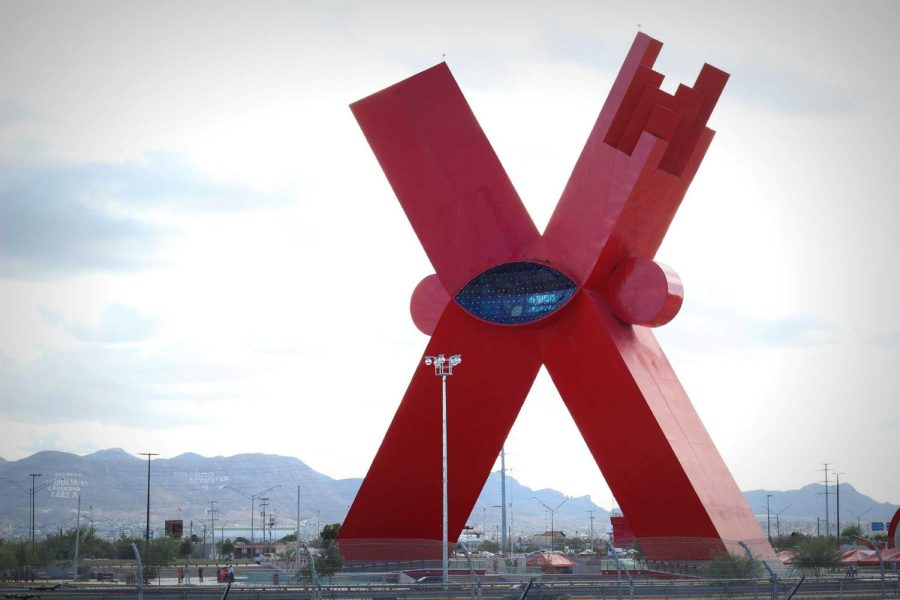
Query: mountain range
[(201, 491)]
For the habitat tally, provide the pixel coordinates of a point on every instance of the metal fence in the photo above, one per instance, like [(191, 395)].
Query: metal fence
[(647, 568)]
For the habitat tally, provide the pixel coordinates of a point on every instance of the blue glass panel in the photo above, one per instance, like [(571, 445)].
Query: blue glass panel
[(518, 292)]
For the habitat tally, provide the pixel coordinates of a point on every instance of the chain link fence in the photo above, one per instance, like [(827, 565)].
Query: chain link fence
[(664, 567)]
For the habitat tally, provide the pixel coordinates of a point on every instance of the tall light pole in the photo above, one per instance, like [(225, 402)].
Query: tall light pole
[(859, 519), (768, 519), (503, 538), (592, 530), (552, 510), (443, 368), (33, 477), (149, 455), (498, 527), (253, 498)]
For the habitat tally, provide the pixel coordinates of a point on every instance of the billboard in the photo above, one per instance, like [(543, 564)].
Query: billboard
[(174, 528)]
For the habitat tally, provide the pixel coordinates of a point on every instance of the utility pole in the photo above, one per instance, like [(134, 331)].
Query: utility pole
[(297, 555), (827, 520), (212, 516), (33, 476), (512, 541), (264, 503), (273, 519), (837, 489), (768, 519), (778, 521), (592, 529), (91, 508), (77, 535), (149, 455), (504, 539)]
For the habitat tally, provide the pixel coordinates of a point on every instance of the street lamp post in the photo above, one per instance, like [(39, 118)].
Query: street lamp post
[(147, 530), (253, 498), (443, 368), (768, 519), (498, 527), (859, 519), (552, 510)]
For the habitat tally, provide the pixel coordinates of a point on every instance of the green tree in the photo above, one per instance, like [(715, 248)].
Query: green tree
[(330, 532), (490, 546), (330, 560), (185, 548), (850, 533), (731, 566), (817, 553), (226, 548), (785, 542), (7, 556)]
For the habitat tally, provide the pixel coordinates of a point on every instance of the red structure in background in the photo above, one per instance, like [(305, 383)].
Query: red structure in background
[(894, 531), (622, 535), (594, 337)]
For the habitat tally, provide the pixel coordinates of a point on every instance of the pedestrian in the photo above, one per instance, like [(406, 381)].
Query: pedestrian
[(200, 573), (231, 573)]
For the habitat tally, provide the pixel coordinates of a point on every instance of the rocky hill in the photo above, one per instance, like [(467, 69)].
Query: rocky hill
[(202, 490)]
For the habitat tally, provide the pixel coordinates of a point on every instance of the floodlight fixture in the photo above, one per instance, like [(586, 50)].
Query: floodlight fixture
[(443, 366)]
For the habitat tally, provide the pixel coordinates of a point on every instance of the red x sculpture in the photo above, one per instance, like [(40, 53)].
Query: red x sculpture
[(579, 299)]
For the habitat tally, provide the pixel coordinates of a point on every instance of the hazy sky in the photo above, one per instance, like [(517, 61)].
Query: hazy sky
[(199, 252)]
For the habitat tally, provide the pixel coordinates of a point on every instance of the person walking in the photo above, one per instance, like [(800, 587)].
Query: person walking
[(200, 573)]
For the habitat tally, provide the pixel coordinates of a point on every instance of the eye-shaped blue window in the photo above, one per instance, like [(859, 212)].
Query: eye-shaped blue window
[(517, 292)]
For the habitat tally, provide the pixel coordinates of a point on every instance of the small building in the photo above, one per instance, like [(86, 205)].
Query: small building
[(245, 550), (555, 540), (550, 562)]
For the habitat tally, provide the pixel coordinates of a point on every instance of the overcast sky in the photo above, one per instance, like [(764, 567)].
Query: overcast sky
[(199, 252)]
